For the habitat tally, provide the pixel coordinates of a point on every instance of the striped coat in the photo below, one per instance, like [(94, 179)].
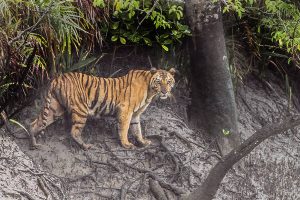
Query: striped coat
[(80, 96)]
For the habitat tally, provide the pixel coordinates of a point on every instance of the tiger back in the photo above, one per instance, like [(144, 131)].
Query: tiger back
[(80, 96)]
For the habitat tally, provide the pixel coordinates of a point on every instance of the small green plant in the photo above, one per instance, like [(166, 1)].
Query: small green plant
[(226, 132)]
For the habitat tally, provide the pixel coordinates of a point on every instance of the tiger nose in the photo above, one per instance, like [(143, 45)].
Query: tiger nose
[(164, 91)]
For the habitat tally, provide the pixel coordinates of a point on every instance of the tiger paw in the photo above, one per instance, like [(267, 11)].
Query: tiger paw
[(146, 142), (128, 145), (87, 146)]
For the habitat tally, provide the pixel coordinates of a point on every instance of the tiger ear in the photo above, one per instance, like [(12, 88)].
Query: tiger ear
[(153, 70), (173, 71)]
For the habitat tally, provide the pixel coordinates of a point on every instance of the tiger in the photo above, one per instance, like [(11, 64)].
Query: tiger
[(81, 96)]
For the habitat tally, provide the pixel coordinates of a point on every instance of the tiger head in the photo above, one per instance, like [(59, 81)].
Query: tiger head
[(162, 82)]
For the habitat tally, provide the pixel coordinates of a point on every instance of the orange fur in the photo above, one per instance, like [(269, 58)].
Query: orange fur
[(81, 95)]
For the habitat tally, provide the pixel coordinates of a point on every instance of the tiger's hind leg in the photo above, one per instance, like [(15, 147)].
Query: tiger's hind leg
[(78, 123), (46, 117)]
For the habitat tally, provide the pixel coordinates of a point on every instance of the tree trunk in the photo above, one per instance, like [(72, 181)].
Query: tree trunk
[(213, 104)]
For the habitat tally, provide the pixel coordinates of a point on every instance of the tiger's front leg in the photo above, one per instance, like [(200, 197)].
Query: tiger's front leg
[(135, 127), (124, 118)]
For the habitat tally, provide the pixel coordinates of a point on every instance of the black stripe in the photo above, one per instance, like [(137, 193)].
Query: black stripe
[(86, 81), (68, 90), (126, 83), (53, 110), (78, 123), (130, 91), (117, 90), (63, 78), (59, 95), (113, 95), (134, 74), (119, 84), (106, 94), (122, 80), (142, 73), (114, 83), (132, 123), (91, 86), (96, 98), (82, 115), (82, 79)]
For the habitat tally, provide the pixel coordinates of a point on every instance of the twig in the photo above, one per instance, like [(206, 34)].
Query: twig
[(31, 172), (157, 190), (108, 164), (149, 59), (147, 15), (113, 74), (42, 185)]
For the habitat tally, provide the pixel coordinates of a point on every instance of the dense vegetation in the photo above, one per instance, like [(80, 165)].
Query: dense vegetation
[(270, 28), (68, 35)]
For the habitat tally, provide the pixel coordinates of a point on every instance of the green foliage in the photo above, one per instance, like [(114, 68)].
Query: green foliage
[(99, 3), (56, 28), (276, 24), (146, 22), (284, 21), (238, 6)]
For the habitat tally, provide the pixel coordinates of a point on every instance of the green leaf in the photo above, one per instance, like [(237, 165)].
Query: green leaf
[(115, 25), (116, 13), (19, 124), (165, 47), (99, 3), (83, 63), (169, 41), (226, 132), (122, 40), (147, 41), (114, 38)]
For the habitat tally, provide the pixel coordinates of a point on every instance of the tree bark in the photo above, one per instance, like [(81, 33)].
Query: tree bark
[(212, 90), (211, 184)]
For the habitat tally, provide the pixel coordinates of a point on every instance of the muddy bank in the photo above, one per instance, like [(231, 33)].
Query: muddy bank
[(179, 157)]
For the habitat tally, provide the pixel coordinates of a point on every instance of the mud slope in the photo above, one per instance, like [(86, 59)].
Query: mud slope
[(178, 158)]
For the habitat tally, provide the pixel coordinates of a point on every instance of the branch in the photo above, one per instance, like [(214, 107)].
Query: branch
[(147, 15), (211, 184), (157, 190)]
